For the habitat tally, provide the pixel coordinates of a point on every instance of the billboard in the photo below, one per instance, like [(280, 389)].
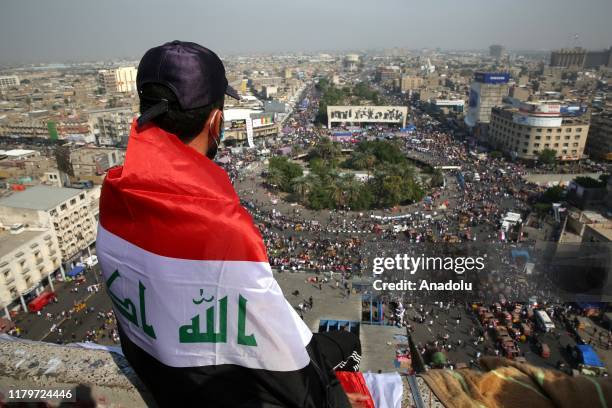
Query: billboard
[(237, 124), (492, 77), (52, 128), (537, 120), (541, 108), (263, 120), (449, 102), (573, 110), (367, 114)]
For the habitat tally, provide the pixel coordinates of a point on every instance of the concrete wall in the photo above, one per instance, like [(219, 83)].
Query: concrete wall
[(97, 376)]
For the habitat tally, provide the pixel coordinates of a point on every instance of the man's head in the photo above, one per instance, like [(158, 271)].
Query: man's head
[(182, 86)]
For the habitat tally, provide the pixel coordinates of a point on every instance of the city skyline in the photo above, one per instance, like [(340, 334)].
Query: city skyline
[(46, 31)]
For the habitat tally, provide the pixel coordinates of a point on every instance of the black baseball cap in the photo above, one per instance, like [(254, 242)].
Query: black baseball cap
[(194, 73)]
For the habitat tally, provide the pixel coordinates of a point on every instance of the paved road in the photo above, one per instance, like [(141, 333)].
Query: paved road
[(37, 327)]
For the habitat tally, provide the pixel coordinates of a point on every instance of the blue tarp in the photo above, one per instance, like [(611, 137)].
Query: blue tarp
[(589, 357), (517, 253), (407, 129), (76, 270)]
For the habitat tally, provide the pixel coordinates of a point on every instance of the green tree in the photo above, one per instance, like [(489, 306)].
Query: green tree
[(327, 151), (363, 200), (301, 186), (282, 171), (370, 161), (590, 182), (393, 190), (319, 167), (553, 194), (274, 177), (437, 179), (542, 209), (547, 156), (320, 197)]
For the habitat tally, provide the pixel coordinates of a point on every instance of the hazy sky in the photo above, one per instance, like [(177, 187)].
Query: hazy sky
[(59, 30)]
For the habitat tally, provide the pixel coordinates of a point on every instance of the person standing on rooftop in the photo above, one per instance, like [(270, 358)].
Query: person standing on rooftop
[(200, 316)]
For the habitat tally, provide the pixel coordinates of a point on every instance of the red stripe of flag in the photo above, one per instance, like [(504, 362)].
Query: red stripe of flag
[(173, 201)]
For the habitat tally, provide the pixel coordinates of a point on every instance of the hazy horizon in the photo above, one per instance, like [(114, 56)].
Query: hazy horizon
[(64, 30)]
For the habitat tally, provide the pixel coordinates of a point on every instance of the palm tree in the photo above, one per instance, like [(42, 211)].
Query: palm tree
[(370, 160), (275, 177), (352, 189), (301, 186)]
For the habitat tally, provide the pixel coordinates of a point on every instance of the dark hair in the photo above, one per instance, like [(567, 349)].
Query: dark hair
[(184, 123)]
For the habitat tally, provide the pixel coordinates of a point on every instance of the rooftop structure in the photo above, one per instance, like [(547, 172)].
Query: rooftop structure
[(39, 197), (19, 153), (9, 242)]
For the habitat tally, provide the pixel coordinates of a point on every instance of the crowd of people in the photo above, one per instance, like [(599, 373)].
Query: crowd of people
[(466, 209)]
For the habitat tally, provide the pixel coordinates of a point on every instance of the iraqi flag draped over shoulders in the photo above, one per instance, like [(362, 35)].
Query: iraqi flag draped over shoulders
[(185, 267)]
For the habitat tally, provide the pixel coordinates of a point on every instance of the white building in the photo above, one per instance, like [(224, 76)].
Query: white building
[(110, 126), (121, 79), (351, 62), (8, 81), (68, 212), (27, 261)]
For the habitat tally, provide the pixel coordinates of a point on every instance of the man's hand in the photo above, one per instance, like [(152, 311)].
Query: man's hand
[(357, 400)]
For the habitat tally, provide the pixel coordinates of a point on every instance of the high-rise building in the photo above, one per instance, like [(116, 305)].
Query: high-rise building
[(525, 131), (9, 81), (496, 51), (111, 126), (581, 58), (351, 62), (410, 83), (599, 142), (121, 79), (568, 57), (385, 74), (487, 91)]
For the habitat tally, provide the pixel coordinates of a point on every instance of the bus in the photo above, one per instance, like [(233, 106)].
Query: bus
[(544, 321), (39, 302)]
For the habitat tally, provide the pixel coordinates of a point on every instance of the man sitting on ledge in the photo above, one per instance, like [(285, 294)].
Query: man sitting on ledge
[(201, 317)]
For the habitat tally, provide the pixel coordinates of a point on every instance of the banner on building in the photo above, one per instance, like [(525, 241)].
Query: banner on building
[(367, 114), (238, 124), (249, 130), (263, 120)]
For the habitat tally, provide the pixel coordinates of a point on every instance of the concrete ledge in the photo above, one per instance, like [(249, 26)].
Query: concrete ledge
[(99, 377)]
